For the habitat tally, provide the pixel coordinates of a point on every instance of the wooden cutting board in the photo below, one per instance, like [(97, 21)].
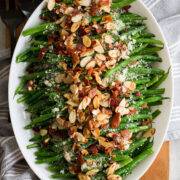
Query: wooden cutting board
[(159, 170)]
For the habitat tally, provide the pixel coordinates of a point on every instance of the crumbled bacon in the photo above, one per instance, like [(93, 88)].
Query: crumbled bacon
[(42, 53), (93, 149), (114, 102), (79, 157), (126, 8), (125, 133)]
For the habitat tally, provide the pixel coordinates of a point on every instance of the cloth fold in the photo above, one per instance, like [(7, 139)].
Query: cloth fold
[(12, 164)]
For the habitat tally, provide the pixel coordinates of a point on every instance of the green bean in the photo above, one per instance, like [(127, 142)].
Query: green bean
[(36, 137), (39, 120), (67, 175), (133, 59), (141, 81), (155, 103), (44, 154), (20, 87), (127, 169), (150, 50), (49, 159), (151, 41), (148, 100), (39, 28), (121, 4), (161, 80), (138, 49), (147, 35), (135, 117), (35, 145), (22, 98), (146, 71), (156, 113), (154, 91), (139, 129), (153, 81)]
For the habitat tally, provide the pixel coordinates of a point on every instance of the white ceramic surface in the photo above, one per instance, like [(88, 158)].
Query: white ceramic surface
[(19, 119)]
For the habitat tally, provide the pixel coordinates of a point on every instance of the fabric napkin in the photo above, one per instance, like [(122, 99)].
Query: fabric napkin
[(12, 164)]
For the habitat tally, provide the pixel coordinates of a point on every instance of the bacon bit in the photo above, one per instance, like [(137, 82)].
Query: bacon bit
[(30, 85), (115, 93), (146, 122), (82, 31), (96, 132), (82, 93), (94, 9), (50, 40), (121, 145), (125, 133), (104, 3), (74, 169), (86, 81), (90, 71), (52, 131), (107, 19), (126, 8), (98, 28), (103, 66), (116, 120), (36, 129), (111, 46), (138, 94), (92, 93), (132, 112), (105, 126), (93, 149), (76, 58), (80, 47), (114, 102), (108, 150), (57, 90), (115, 138), (42, 53), (72, 130), (144, 105), (79, 157)]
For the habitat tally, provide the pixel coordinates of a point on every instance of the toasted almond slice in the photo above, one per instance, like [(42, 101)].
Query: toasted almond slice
[(51, 4), (84, 2), (84, 22), (77, 18), (86, 41), (96, 132), (86, 132), (72, 116), (84, 103), (110, 26), (75, 26), (68, 10), (91, 64), (95, 111), (106, 9), (96, 102), (84, 152), (82, 176), (100, 57), (114, 53), (71, 103), (149, 133), (68, 95), (59, 21), (59, 78), (79, 136), (110, 64), (101, 116), (105, 82), (43, 132), (85, 60), (98, 78), (114, 177), (111, 169), (130, 85), (108, 39), (74, 89), (105, 96), (123, 102), (98, 47), (122, 110), (67, 156), (88, 52), (92, 172)]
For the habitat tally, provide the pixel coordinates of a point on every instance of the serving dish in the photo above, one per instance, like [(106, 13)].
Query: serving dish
[(20, 119)]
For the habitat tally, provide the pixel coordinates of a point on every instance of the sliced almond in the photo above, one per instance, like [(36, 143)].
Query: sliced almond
[(101, 116), (96, 102), (84, 103), (68, 95), (110, 26), (63, 65), (59, 78), (86, 41), (112, 168), (79, 137), (74, 89), (130, 85), (92, 172), (85, 60), (108, 39), (114, 177), (96, 132), (59, 21), (68, 10), (86, 132), (72, 116), (51, 4), (123, 102), (67, 156), (122, 110), (110, 64), (76, 18), (43, 132), (73, 104), (98, 47), (98, 78), (84, 22), (149, 133), (91, 64), (82, 176), (100, 57), (114, 53), (75, 26), (88, 52), (84, 2), (84, 152)]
